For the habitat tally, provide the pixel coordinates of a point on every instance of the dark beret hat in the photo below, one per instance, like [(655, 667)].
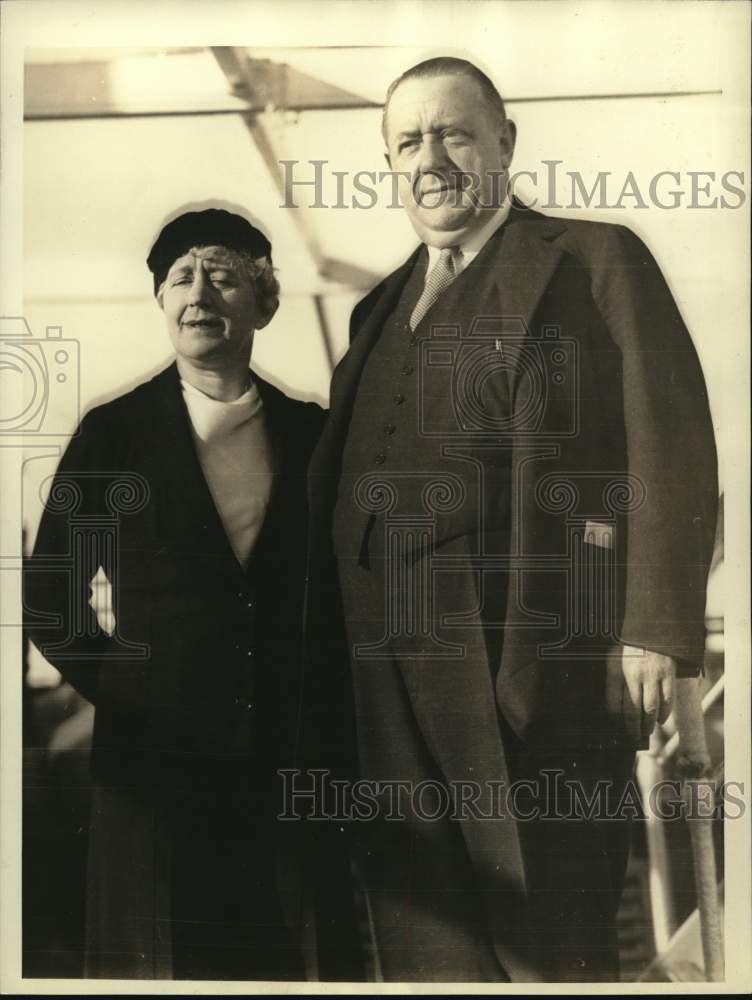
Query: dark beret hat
[(212, 227)]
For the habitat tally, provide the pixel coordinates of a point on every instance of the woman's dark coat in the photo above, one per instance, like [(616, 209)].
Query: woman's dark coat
[(196, 691)]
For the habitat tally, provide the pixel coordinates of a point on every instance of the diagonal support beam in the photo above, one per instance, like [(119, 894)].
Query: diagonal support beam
[(267, 85), (238, 69)]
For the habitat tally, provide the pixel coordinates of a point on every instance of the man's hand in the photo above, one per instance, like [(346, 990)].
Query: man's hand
[(649, 681)]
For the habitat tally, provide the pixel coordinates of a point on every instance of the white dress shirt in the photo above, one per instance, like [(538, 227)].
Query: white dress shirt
[(470, 249)]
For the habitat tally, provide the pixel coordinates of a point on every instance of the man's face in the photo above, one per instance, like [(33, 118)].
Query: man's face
[(441, 132), (210, 306)]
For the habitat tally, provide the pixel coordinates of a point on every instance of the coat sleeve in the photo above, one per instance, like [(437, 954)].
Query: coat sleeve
[(671, 450), (58, 617)]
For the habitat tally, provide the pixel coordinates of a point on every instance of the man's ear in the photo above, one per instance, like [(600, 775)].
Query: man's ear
[(507, 140), (160, 297)]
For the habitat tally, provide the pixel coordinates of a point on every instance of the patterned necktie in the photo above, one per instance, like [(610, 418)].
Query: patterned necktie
[(437, 282)]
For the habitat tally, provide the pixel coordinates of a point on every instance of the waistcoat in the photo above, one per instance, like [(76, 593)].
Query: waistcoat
[(410, 451)]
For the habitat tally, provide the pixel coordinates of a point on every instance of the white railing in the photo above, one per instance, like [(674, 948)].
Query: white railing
[(686, 742)]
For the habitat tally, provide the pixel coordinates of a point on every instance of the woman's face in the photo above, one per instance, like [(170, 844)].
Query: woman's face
[(210, 307)]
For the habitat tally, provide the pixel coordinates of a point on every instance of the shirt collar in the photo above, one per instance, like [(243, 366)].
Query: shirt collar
[(212, 419), (470, 249)]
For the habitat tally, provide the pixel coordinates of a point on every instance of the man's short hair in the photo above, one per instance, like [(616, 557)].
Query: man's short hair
[(449, 66)]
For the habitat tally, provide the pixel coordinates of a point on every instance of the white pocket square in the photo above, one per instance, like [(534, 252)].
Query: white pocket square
[(599, 534)]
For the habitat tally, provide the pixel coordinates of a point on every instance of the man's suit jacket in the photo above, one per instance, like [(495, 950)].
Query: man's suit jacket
[(196, 692), (641, 429), (618, 461)]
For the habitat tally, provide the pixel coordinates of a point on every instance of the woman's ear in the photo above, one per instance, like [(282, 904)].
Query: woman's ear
[(263, 321)]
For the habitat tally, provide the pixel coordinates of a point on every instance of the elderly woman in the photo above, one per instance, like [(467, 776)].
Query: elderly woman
[(196, 688)]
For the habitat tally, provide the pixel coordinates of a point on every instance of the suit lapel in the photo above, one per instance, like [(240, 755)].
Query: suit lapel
[(524, 260), (346, 377), (325, 464)]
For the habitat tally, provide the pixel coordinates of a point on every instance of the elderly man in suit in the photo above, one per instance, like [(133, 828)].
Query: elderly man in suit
[(201, 470), (518, 485)]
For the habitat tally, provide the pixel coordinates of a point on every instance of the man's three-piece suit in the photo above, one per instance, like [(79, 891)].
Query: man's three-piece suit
[(525, 479)]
